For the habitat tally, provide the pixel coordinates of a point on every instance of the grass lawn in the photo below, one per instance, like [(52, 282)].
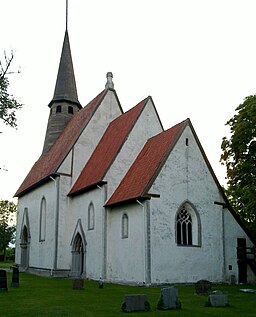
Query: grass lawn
[(55, 297)]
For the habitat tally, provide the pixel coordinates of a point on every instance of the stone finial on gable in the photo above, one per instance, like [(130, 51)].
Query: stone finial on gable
[(109, 83)]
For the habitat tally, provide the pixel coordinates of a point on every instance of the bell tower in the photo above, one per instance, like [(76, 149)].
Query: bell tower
[(64, 103)]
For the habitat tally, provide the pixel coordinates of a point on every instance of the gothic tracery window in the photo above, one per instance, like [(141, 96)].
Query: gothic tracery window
[(184, 227)]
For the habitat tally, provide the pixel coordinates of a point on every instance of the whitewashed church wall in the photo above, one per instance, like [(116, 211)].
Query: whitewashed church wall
[(64, 252), (185, 177), (78, 209), (232, 232), (88, 140), (66, 166), (126, 256), (40, 252), (146, 126)]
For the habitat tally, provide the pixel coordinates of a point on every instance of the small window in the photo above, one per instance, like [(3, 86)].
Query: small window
[(125, 226), (58, 109), (42, 229), (91, 217), (70, 110)]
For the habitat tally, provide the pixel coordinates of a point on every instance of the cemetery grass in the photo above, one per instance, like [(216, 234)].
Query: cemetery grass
[(39, 296)]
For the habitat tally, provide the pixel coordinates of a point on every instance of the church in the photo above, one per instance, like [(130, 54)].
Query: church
[(115, 196)]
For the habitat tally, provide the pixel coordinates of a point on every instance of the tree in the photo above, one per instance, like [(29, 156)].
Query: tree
[(8, 104), (239, 156), (7, 229)]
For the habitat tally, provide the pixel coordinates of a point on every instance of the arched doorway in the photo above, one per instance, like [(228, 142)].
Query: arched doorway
[(78, 254), (24, 248)]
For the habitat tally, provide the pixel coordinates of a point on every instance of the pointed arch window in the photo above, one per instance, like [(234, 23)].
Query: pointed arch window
[(42, 220), (125, 226), (91, 217), (188, 229)]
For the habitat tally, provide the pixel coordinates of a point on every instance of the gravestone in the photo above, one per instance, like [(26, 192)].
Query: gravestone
[(101, 283), (78, 283), (203, 287), (135, 302), (3, 281), (15, 276), (169, 299), (218, 299)]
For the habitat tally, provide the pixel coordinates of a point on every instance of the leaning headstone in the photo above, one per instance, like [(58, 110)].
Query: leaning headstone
[(135, 302), (78, 283), (203, 287), (218, 299), (3, 281), (169, 299), (15, 276)]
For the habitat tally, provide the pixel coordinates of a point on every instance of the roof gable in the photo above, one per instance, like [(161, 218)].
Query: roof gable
[(107, 149), (147, 165), (49, 163)]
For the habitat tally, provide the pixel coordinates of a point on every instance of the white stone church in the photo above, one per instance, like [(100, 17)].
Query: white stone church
[(115, 196)]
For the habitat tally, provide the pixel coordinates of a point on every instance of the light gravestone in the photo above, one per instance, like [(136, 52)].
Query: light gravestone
[(135, 302), (169, 299), (3, 281), (218, 299)]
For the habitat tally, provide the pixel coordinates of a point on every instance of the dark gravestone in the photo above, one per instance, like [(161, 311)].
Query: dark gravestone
[(135, 302), (101, 283), (78, 283), (169, 299), (15, 276), (203, 287), (3, 281)]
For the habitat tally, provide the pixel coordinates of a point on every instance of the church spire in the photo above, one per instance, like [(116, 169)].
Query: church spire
[(65, 100), (65, 88)]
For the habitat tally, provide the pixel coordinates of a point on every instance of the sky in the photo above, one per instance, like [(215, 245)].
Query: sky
[(197, 59)]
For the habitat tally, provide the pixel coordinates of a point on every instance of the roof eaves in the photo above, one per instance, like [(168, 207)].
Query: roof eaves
[(34, 186), (86, 189), (126, 201)]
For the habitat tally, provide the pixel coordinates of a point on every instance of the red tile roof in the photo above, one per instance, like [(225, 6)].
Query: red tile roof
[(107, 149), (49, 163), (147, 165)]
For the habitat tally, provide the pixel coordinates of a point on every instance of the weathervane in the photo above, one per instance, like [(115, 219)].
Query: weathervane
[(66, 15)]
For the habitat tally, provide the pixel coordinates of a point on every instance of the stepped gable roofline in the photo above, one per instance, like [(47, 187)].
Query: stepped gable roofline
[(108, 148), (48, 164), (65, 88), (147, 165)]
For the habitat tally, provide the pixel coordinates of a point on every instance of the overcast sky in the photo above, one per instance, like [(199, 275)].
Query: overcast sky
[(197, 59)]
